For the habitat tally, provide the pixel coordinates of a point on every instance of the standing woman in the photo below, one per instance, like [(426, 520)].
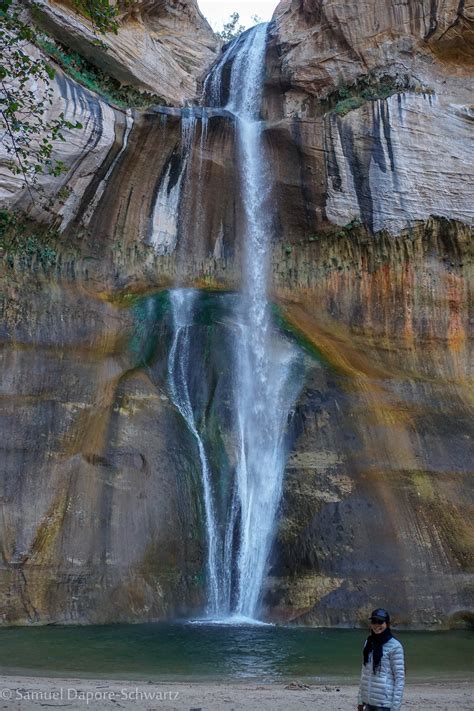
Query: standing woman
[(383, 671)]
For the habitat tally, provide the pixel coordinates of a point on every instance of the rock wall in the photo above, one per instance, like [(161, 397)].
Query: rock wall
[(100, 515), (325, 43), (160, 47), (372, 271), (396, 161), (104, 523), (377, 487), (82, 151), (378, 491)]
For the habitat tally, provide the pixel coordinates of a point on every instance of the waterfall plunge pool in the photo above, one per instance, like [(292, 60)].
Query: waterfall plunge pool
[(207, 652)]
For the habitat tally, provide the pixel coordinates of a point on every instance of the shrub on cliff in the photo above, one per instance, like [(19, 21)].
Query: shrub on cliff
[(232, 28), (102, 14)]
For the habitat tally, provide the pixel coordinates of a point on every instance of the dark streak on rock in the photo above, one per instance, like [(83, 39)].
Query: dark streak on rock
[(377, 150), (385, 117), (433, 20), (176, 167), (308, 200), (92, 108), (332, 167), (359, 162), (105, 505), (175, 160), (120, 127), (31, 611), (400, 108)]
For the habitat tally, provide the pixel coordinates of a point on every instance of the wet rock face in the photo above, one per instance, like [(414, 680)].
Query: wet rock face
[(372, 265), (377, 489), (100, 517)]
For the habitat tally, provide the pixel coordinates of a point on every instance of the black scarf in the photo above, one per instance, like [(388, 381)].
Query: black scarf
[(374, 643)]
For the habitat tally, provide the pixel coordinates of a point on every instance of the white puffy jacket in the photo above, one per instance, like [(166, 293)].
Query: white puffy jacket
[(385, 687)]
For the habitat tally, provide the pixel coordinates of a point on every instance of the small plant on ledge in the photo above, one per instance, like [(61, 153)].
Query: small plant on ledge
[(85, 73), (370, 88)]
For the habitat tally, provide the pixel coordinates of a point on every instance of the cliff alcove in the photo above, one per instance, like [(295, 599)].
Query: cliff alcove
[(366, 124)]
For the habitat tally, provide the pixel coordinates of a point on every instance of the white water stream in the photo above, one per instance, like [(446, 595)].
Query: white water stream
[(182, 305), (263, 390), (262, 373)]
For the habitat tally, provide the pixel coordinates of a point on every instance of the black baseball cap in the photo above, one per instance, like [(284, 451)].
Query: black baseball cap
[(380, 615)]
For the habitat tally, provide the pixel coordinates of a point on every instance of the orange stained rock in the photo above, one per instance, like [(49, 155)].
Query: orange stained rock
[(407, 296), (385, 425), (334, 341), (457, 303)]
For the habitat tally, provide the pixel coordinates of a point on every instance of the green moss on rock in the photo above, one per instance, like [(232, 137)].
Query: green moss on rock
[(25, 244), (93, 78), (370, 88)]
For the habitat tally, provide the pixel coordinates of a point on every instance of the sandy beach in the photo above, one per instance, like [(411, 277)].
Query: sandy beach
[(21, 692)]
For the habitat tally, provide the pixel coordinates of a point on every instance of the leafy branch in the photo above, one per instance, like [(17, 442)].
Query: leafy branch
[(232, 28), (102, 15), (26, 94)]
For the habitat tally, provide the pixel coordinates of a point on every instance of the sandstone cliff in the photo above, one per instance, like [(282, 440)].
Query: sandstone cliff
[(324, 43), (372, 267), (373, 104), (160, 47)]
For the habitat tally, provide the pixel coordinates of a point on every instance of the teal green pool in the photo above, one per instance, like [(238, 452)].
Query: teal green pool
[(193, 652)]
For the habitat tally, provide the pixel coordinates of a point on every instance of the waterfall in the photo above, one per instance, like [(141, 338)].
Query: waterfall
[(182, 308), (182, 302), (263, 370), (262, 388), (258, 476), (164, 221)]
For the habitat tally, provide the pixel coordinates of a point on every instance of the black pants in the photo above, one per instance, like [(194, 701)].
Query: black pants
[(369, 707)]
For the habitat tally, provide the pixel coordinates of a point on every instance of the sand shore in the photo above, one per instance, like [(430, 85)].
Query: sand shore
[(22, 692)]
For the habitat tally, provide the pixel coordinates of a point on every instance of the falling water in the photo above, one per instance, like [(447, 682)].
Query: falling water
[(262, 381), (263, 389), (182, 308), (164, 221), (238, 544), (182, 303)]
